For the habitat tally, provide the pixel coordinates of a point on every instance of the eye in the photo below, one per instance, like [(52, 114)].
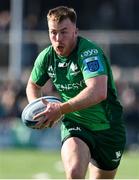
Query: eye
[(64, 32), (53, 32)]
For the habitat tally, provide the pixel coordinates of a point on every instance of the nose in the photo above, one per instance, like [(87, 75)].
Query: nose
[(58, 37)]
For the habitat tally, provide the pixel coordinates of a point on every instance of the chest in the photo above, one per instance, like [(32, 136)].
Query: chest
[(64, 71), (66, 76)]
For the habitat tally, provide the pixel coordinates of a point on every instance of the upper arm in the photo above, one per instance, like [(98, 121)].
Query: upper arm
[(33, 84), (33, 91), (98, 85), (93, 63), (39, 73)]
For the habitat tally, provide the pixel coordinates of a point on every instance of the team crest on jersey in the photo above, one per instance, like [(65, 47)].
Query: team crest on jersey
[(93, 64), (74, 69), (51, 71)]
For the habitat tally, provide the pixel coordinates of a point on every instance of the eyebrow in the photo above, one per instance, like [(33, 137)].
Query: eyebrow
[(65, 28)]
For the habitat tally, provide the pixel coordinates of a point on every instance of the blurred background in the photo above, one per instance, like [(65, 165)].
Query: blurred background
[(113, 24)]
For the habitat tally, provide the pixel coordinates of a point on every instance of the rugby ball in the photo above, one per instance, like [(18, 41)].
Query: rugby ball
[(34, 108)]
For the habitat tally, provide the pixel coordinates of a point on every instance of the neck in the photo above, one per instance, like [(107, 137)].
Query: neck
[(72, 47)]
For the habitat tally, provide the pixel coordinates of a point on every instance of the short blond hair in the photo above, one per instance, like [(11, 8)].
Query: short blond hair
[(62, 12)]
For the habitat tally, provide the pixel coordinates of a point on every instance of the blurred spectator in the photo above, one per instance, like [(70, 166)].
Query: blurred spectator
[(9, 107), (128, 97), (31, 22), (131, 115), (8, 103), (4, 20)]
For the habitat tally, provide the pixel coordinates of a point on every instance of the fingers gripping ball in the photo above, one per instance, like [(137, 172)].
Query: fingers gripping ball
[(34, 108)]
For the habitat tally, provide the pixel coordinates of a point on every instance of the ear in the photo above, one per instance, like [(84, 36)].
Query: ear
[(76, 31)]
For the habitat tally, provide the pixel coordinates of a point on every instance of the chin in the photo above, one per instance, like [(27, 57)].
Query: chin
[(61, 53)]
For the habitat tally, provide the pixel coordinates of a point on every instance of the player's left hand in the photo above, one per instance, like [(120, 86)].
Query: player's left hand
[(50, 115)]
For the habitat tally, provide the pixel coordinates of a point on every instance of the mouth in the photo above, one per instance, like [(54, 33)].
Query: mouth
[(60, 48)]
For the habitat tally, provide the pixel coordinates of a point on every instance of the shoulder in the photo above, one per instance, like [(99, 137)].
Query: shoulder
[(45, 52), (91, 58), (87, 48), (44, 55)]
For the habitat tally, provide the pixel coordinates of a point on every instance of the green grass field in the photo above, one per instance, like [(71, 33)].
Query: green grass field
[(29, 164)]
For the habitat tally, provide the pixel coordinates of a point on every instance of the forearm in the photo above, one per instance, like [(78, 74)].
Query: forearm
[(32, 91), (94, 93), (83, 100)]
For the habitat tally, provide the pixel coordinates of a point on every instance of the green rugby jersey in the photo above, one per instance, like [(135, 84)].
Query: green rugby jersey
[(69, 74)]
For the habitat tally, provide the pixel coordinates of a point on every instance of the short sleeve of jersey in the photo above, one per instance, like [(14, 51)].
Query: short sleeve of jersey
[(93, 63), (39, 74)]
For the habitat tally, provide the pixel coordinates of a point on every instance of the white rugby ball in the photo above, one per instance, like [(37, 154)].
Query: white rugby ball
[(34, 108)]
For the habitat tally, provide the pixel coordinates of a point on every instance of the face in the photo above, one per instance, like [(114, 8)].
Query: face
[(63, 36)]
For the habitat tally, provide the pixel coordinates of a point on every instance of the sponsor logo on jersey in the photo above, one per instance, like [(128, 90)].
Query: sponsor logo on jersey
[(63, 64), (93, 64), (89, 52), (69, 86)]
